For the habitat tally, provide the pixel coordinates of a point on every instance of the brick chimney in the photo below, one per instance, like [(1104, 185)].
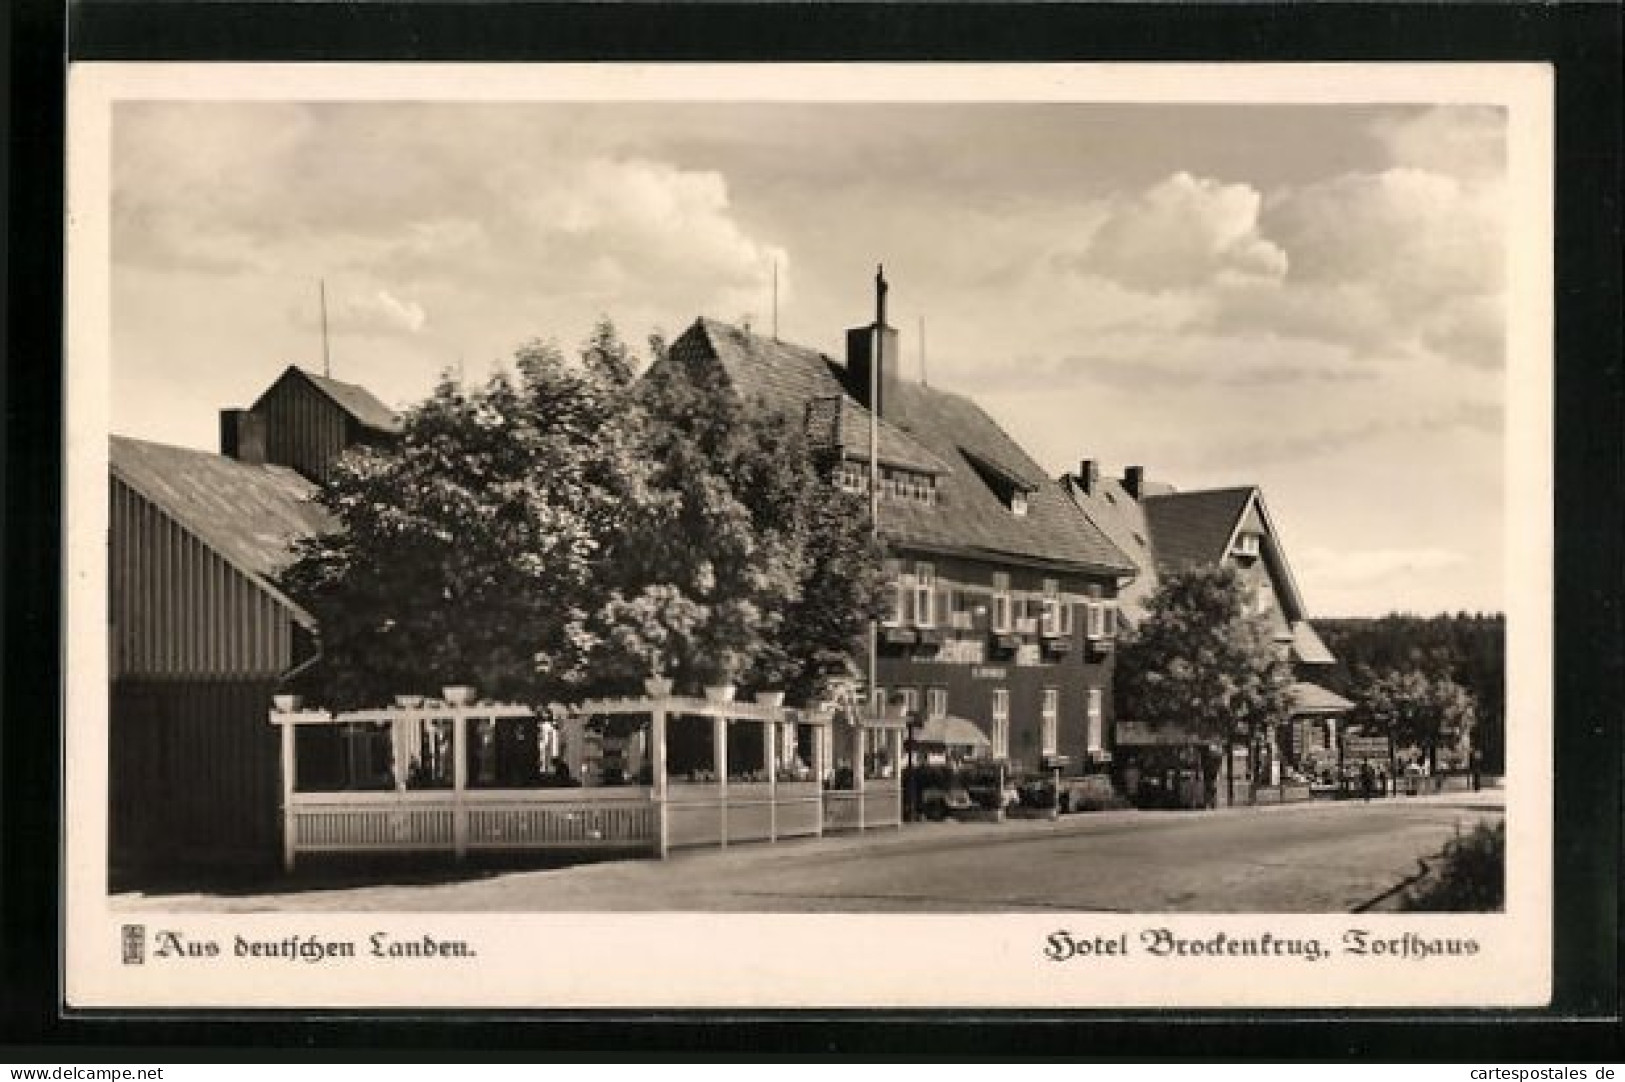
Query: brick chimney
[(1088, 476), (242, 436), (1134, 481)]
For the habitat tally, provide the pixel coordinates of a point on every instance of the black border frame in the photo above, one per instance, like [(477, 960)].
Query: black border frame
[(1581, 40)]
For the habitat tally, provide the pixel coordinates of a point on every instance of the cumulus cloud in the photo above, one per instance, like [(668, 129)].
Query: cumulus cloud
[(1183, 232), (372, 312), (517, 229), (1461, 140)]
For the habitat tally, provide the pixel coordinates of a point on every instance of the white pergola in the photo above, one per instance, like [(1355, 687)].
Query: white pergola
[(458, 817)]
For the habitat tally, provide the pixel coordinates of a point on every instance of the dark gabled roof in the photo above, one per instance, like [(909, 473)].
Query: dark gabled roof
[(250, 515), (352, 398), (786, 378), (927, 425), (840, 423), (1192, 529), (969, 514)]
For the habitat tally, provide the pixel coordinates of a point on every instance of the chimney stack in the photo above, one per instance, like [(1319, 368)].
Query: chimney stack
[(1088, 476), (1134, 481), (861, 359), (242, 436)]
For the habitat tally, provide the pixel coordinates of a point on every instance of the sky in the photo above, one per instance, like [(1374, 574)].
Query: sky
[(1309, 298)]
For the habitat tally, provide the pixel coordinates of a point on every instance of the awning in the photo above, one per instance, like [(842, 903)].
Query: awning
[(953, 732)]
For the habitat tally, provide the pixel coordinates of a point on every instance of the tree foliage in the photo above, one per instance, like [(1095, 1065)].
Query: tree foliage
[(568, 530), (469, 552), (1202, 660), (749, 566), (1415, 709)]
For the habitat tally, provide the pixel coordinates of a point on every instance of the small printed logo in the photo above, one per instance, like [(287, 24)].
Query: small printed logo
[(135, 944)]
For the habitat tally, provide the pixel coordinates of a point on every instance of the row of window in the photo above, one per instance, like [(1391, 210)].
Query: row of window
[(936, 706), (916, 600), (894, 484)]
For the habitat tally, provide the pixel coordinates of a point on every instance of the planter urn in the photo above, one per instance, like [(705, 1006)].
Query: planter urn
[(721, 693)]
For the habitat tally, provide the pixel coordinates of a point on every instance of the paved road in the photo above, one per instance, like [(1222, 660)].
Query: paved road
[(1304, 858)]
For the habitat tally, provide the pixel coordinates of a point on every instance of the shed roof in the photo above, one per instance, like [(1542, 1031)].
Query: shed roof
[(250, 514), (1310, 698)]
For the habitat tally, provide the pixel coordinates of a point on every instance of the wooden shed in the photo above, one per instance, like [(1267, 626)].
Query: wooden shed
[(200, 638), (309, 420)]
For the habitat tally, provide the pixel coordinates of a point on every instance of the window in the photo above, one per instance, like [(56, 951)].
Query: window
[(902, 595), (1247, 544), (1050, 612), (1264, 601), (1051, 718), (1108, 620), (936, 703), (877, 702), (1095, 620), (910, 700), (1095, 720), (925, 585), (1066, 619), (1001, 724), (1018, 503), (1001, 602)]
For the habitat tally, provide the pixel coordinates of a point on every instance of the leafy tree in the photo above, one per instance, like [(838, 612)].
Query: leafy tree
[(470, 551), (1469, 648), (1414, 709), (559, 532), (751, 568), (1204, 660), (605, 355)]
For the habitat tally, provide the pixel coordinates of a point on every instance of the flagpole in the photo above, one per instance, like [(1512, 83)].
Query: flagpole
[(874, 456)]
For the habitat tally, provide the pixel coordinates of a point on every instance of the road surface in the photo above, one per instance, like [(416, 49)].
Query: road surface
[(1300, 858)]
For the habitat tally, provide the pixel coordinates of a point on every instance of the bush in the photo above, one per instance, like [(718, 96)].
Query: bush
[(1471, 877)]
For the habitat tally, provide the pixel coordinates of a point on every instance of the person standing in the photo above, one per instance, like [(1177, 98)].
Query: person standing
[(1367, 781)]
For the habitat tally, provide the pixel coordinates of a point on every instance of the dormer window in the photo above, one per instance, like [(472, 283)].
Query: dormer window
[(1247, 546), (1008, 484)]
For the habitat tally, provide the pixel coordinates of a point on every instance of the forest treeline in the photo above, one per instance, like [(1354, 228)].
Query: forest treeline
[(1470, 648)]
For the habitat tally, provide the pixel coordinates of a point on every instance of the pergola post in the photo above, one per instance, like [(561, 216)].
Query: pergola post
[(290, 840), (897, 771), (719, 751), (657, 755), (459, 780), (770, 740), (860, 741)]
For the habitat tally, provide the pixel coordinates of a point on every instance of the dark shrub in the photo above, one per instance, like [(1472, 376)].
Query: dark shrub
[(1471, 877)]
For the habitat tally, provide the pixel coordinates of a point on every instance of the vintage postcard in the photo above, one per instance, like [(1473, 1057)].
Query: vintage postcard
[(751, 536)]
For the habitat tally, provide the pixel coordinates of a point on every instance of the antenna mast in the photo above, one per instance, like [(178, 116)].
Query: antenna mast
[(922, 352), (327, 361)]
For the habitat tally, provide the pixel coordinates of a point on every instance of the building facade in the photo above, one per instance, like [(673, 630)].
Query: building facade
[(1002, 595), (1166, 530), (199, 639)]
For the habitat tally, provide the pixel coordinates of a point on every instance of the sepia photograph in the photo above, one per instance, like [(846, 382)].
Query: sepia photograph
[(1088, 527)]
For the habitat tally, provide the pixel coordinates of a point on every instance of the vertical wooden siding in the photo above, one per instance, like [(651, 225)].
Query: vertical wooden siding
[(193, 774), (304, 429), (178, 609)]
